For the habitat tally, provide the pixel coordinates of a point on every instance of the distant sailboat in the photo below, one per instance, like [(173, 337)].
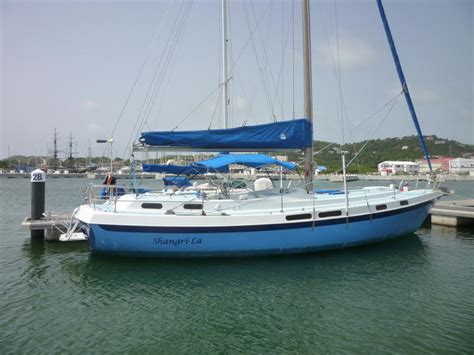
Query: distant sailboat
[(191, 222)]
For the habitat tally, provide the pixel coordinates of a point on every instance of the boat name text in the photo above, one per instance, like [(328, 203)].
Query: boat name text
[(177, 242)]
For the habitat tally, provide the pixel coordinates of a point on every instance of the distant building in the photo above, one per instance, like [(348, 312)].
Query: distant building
[(438, 164), (461, 165), (398, 167)]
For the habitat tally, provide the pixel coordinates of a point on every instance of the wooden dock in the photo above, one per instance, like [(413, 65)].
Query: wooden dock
[(453, 213)]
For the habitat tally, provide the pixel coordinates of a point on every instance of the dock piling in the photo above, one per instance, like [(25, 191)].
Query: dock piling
[(38, 182)]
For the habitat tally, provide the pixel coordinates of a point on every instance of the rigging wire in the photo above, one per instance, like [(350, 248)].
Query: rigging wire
[(150, 51), (377, 128), (341, 108), (233, 62), (250, 99), (166, 51), (137, 77), (389, 102), (229, 74), (195, 108), (215, 108), (169, 48), (163, 96), (265, 41), (280, 74), (392, 104), (260, 67), (163, 73), (283, 46), (293, 53)]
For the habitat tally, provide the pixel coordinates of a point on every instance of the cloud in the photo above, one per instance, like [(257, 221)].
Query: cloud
[(241, 105), (424, 96), (89, 105), (353, 52), (94, 129)]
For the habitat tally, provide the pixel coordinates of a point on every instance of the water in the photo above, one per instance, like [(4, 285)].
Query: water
[(415, 294)]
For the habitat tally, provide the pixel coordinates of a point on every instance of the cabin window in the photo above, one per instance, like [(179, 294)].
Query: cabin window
[(329, 214), (155, 206), (296, 217), (192, 206), (403, 203), (381, 207)]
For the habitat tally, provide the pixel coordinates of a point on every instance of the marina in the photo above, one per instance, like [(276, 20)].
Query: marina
[(427, 275), (228, 218), (217, 215)]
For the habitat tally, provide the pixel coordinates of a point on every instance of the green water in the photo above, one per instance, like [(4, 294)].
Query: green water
[(412, 295)]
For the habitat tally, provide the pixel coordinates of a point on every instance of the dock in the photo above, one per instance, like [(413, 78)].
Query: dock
[(453, 213), (52, 224)]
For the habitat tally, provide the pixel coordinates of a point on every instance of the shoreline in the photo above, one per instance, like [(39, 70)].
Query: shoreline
[(328, 177)]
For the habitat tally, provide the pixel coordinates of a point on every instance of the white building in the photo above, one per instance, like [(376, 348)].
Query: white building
[(461, 165), (398, 167)]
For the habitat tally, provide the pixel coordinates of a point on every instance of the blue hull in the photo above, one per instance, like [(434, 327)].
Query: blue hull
[(289, 238)]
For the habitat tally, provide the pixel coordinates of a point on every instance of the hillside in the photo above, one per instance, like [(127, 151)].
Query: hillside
[(378, 150)]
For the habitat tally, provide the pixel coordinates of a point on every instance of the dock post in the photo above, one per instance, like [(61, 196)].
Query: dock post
[(38, 182)]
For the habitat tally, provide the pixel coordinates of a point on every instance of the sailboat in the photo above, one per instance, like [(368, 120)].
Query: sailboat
[(262, 221)]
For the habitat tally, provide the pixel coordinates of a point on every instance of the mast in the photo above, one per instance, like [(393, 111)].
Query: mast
[(225, 79), (308, 93), (401, 76), (55, 150), (71, 152), (89, 154)]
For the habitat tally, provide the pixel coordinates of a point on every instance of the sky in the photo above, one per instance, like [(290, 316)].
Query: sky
[(110, 69)]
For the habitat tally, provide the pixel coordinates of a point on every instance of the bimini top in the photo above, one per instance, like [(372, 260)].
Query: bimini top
[(218, 164), (173, 169), (252, 160), (192, 169), (294, 134)]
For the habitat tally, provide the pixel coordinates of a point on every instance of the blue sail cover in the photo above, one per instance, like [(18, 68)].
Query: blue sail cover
[(253, 160), (294, 134)]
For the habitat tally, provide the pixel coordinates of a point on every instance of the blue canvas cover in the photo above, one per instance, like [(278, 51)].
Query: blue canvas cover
[(173, 169), (192, 169), (294, 134), (180, 181), (252, 160)]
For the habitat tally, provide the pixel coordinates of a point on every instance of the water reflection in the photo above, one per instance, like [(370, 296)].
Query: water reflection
[(463, 233), (123, 274), (42, 260)]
